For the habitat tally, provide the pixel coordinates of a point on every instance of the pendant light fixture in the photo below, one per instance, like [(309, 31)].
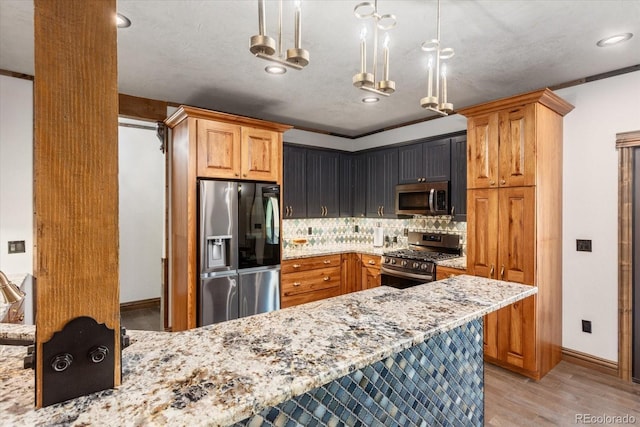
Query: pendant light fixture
[(437, 101), (369, 80), (264, 46)]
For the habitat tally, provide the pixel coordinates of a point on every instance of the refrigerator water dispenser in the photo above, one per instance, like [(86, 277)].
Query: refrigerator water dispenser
[(217, 251)]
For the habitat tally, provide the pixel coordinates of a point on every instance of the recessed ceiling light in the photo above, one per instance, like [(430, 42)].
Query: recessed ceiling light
[(275, 69), (618, 38), (122, 21), (370, 99)]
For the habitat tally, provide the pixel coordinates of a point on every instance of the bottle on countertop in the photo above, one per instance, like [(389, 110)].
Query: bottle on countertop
[(378, 233)]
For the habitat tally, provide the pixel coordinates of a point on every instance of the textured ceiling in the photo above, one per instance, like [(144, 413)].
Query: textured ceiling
[(197, 53)]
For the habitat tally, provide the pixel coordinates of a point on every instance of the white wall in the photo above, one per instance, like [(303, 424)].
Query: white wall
[(141, 191), (426, 129), (590, 208), (16, 173)]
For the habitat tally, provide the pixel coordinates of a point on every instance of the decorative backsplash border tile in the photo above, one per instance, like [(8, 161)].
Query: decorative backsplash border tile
[(321, 232)]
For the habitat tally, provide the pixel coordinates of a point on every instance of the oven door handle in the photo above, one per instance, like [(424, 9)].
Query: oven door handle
[(426, 278), (431, 200)]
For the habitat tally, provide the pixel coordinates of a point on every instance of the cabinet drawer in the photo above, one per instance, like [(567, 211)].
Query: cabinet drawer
[(446, 272), (312, 263), (371, 261), (310, 281)]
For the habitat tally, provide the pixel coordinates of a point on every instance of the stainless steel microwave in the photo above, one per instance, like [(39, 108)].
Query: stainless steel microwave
[(425, 198)]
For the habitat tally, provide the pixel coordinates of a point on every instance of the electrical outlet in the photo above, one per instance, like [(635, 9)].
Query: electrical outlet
[(310, 231), (586, 326), (583, 245), (16, 247), (356, 229)]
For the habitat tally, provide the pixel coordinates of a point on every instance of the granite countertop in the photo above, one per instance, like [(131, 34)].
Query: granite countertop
[(224, 373), (460, 263), (304, 251)]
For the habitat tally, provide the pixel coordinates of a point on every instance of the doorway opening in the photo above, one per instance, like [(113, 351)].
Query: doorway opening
[(142, 208)]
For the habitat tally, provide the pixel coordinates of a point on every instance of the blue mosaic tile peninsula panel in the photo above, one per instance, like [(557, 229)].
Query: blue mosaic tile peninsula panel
[(439, 382)]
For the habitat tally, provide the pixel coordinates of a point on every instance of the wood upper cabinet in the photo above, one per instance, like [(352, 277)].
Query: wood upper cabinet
[(514, 223), (501, 149), (218, 149), (230, 151), (260, 154)]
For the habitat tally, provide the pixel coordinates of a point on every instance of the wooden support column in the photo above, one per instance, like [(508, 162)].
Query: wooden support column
[(75, 169)]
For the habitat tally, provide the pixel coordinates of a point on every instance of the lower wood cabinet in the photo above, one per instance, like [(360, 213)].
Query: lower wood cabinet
[(310, 279), (370, 271), (314, 278)]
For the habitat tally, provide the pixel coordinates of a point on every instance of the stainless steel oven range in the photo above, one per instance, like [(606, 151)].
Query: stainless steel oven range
[(417, 265)]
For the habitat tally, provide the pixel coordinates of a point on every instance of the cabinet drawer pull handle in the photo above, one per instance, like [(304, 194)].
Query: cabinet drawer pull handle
[(326, 278), (451, 275), (296, 284), (491, 271), (453, 210), (502, 272), (296, 266), (237, 174), (372, 262), (327, 261), (382, 211), (503, 182), (290, 210)]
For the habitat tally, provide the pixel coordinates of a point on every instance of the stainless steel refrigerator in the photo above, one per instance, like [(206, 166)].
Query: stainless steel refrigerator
[(239, 250)]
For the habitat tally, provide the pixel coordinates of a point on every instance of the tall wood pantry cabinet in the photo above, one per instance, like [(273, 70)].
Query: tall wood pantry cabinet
[(208, 144), (514, 223)]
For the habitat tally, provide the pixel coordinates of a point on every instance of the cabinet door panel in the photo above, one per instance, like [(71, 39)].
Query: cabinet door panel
[(517, 234), (437, 160), (390, 180), (517, 328), (459, 178), (330, 184), (294, 191), (482, 233), (411, 168), (517, 147), (346, 185), (314, 183), (482, 149), (375, 183), (218, 152), (259, 154), (360, 188), (490, 337)]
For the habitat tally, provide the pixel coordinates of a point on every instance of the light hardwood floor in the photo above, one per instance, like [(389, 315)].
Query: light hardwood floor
[(568, 390), (513, 400)]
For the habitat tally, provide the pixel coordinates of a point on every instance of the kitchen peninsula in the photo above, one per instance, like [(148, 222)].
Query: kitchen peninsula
[(395, 356)]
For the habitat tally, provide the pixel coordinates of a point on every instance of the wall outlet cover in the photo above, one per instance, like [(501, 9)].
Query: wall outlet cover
[(583, 245), (586, 326)]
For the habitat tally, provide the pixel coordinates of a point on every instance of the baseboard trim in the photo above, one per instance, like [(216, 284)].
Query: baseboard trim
[(138, 305), (589, 361)]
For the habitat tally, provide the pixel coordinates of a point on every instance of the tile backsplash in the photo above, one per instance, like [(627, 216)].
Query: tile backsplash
[(321, 232)]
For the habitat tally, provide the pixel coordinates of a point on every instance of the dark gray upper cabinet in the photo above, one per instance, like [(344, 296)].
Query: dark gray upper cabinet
[(436, 157), (424, 161), (346, 185), (382, 178), (410, 164), (360, 189), (294, 191), (323, 190), (459, 177)]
